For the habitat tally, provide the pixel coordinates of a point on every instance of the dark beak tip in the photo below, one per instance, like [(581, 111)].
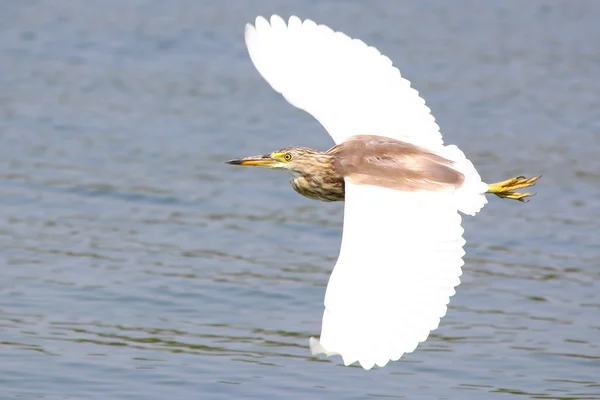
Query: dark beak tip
[(233, 162)]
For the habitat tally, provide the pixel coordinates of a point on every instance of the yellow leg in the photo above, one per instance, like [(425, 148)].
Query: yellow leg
[(505, 189)]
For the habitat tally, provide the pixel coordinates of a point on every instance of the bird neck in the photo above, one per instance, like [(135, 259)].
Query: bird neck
[(319, 168), (322, 182)]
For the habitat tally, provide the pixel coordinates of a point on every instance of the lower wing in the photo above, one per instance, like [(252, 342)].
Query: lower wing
[(400, 260)]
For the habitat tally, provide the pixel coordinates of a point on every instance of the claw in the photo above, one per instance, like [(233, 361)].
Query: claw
[(506, 189)]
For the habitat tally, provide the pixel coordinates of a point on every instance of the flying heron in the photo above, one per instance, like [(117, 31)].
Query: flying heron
[(402, 246)]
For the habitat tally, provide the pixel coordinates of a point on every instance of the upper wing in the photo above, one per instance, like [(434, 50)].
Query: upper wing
[(349, 87), (400, 259)]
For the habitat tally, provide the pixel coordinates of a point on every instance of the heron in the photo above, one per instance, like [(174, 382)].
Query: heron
[(404, 190)]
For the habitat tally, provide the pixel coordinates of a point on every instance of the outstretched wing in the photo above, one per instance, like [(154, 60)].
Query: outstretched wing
[(400, 259), (349, 87)]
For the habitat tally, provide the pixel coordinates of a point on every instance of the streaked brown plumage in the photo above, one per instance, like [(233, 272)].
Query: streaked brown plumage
[(373, 160), (314, 175), (364, 159)]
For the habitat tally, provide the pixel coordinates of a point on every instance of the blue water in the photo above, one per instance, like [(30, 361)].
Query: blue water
[(135, 264)]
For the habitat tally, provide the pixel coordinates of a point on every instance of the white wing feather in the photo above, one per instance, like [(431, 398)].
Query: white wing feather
[(400, 259), (349, 87)]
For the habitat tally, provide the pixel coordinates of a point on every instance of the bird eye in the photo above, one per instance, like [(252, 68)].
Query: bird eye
[(287, 157)]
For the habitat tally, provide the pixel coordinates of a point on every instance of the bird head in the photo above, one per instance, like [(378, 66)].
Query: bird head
[(297, 160)]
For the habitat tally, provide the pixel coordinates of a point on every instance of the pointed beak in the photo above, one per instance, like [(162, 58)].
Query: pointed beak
[(259, 161)]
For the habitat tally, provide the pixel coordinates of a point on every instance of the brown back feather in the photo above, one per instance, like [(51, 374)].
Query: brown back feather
[(382, 161)]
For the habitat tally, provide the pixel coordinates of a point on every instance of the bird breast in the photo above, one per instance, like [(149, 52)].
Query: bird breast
[(327, 189)]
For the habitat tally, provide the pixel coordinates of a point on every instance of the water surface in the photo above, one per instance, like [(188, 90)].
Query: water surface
[(136, 265)]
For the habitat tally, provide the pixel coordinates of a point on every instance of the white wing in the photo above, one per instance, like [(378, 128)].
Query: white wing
[(350, 88), (400, 260)]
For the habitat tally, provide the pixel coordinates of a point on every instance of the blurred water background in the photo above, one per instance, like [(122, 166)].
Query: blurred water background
[(135, 264)]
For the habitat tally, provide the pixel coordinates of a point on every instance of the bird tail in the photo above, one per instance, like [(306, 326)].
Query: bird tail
[(470, 196)]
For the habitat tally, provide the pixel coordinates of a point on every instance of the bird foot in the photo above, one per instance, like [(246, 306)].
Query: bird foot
[(505, 189)]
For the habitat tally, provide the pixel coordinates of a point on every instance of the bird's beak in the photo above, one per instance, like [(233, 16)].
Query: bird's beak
[(260, 161)]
